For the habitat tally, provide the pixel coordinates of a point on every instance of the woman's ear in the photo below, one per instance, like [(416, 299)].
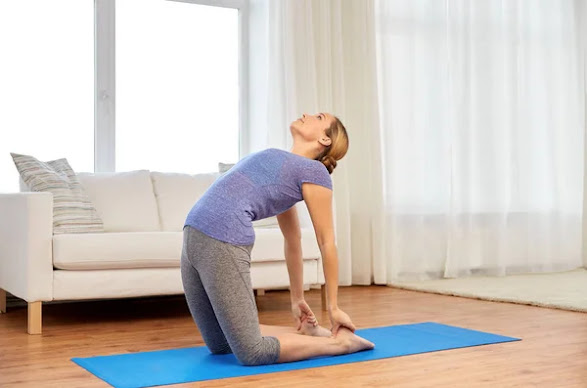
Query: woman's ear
[(325, 141)]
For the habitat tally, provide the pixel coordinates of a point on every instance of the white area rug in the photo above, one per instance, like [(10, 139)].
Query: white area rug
[(562, 290)]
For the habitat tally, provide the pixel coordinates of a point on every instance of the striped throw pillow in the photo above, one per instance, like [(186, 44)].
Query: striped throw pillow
[(73, 212)]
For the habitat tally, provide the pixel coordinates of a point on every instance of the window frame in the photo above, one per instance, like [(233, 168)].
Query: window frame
[(105, 76)]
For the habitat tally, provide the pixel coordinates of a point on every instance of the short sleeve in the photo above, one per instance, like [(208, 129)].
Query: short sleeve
[(316, 173)]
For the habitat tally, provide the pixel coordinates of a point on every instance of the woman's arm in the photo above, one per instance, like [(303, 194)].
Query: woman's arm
[(290, 227), (319, 202)]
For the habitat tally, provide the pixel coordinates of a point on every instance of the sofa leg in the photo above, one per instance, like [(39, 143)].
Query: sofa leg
[(34, 318), (2, 301), (260, 291), (324, 302)]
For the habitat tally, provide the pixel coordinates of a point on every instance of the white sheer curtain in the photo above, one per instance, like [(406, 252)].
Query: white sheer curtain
[(313, 56), (482, 115), (582, 19), (466, 126)]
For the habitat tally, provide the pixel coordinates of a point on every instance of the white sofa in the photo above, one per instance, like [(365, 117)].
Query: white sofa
[(139, 252)]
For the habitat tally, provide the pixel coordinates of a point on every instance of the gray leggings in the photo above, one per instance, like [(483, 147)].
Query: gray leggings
[(217, 283)]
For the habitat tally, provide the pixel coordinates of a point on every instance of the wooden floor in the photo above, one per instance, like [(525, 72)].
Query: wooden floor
[(553, 352)]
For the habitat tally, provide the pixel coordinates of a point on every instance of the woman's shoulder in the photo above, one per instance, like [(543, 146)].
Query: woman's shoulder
[(297, 162), (268, 151)]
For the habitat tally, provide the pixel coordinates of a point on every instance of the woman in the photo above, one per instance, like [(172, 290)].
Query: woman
[(219, 237)]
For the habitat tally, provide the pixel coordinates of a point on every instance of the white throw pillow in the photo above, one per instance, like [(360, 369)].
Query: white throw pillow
[(176, 194), (223, 167), (124, 200)]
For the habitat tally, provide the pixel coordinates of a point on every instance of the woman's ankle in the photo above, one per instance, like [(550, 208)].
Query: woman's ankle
[(315, 331)]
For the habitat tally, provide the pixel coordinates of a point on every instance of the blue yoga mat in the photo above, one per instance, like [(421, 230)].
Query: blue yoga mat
[(162, 367)]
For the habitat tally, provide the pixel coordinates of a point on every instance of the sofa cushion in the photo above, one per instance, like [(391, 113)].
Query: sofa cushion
[(124, 200), (117, 250), (269, 245), (269, 222), (176, 194), (123, 283), (97, 251)]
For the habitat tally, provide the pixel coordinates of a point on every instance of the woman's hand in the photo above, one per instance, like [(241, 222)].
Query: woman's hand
[(302, 312), (339, 318)]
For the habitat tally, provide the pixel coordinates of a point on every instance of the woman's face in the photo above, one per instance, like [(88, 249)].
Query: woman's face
[(313, 127)]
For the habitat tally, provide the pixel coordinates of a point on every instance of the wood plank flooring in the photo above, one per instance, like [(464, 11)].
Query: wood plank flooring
[(553, 352)]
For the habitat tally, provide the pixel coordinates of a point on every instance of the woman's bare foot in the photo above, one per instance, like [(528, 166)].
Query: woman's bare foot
[(315, 331), (352, 342)]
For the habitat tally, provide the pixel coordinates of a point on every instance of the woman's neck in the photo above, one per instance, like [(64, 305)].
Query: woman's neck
[(305, 152)]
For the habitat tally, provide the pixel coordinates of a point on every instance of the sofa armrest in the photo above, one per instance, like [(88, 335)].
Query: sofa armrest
[(26, 234)]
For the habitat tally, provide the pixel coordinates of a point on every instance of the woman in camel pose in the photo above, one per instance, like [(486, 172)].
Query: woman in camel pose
[(219, 237)]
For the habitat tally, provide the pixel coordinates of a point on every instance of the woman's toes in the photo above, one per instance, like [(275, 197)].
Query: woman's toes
[(352, 342)]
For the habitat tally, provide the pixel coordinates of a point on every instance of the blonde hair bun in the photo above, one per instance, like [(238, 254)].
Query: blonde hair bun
[(329, 162), (339, 146)]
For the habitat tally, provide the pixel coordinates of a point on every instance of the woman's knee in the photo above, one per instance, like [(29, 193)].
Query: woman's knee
[(220, 349), (265, 352), (252, 358)]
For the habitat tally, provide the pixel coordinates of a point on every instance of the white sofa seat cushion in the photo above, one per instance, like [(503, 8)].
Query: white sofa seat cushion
[(93, 251), (122, 283), (269, 245), (124, 200)]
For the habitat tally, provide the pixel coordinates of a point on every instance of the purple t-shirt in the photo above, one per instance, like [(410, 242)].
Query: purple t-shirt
[(260, 185)]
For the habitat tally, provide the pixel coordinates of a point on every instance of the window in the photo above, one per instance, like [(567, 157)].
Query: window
[(177, 77), (46, 83), (177, 86)]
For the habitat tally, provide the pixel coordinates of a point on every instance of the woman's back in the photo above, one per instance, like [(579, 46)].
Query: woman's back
[(260, 185)]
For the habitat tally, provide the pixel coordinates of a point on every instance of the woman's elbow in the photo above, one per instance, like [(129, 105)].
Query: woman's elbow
[(293, 238), (326, 241)]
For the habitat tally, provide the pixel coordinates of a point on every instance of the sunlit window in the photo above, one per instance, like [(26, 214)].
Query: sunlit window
[(177, 86)]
